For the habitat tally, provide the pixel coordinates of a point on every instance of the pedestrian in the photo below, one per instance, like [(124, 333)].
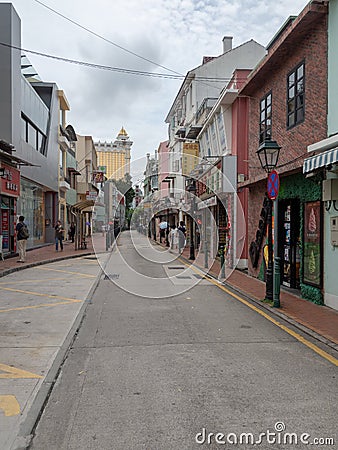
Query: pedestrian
[(181, 236), (72, 231), (173, 238), (22, 235), (59, 235), (163, 228)]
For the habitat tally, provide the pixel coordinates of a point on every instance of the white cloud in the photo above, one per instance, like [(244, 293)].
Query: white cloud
[(173, 33)]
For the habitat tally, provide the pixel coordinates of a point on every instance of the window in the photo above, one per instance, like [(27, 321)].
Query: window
[(265, 118), (33, 136), (295, 96)]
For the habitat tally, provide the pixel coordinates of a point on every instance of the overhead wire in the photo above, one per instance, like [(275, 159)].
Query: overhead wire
[(114, 69)]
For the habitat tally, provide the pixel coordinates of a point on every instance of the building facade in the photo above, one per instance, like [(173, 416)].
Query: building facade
[(288, 101), (324, 163), (29, 111)]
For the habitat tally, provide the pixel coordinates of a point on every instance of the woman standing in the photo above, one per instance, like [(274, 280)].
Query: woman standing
[(72, 231), (59, 235)]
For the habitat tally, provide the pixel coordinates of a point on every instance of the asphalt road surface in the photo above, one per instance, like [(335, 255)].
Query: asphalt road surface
[(193, 369)]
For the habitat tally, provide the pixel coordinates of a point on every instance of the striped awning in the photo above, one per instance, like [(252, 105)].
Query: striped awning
[(321, 160)]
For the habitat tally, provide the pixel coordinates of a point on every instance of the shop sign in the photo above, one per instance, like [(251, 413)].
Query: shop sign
[(212, 201), (190, 157), (10, 181), (312, 239), (98, 177)]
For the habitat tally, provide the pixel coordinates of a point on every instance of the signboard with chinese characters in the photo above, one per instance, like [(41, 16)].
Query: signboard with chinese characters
[(10, 181), (212, 201), (190, 157), (312, 239), (98, 177)]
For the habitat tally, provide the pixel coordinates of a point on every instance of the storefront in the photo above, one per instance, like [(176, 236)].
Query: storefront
[(31, 205), (10, 190), (300, 235)]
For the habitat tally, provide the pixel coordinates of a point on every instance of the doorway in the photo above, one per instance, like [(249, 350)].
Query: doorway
[(289, 242)]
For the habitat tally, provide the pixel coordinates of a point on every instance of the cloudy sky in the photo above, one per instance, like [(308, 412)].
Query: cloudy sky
[(174, 34)]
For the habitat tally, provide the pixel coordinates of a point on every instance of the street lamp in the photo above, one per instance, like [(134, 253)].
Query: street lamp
[(268, 153), (192, 189)]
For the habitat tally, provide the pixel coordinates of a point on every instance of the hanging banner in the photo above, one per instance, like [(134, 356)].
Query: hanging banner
[(312, 248)]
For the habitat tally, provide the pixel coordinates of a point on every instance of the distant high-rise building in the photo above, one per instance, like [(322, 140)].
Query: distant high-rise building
[(115, 156)]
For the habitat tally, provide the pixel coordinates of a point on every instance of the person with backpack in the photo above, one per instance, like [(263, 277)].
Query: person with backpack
[(59, 230), (22, 235)]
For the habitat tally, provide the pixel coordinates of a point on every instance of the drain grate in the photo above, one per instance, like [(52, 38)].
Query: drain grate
[(176, 267), (112, 276), (182, 277)]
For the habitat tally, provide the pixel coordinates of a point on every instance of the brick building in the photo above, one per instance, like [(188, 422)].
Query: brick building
[(288, 103)]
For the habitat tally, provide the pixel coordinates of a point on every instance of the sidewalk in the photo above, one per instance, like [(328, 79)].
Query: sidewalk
[(321, 320), (41, 309), (43, 255)]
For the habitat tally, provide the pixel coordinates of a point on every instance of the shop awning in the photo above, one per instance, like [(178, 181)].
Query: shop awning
[(84, 206), (321, 160)]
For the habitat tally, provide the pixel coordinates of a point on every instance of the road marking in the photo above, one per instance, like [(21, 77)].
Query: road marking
[(296, 335), (30, 281), (9, 405), (37, 293), (14, 372), (66, 271), (42, 305)]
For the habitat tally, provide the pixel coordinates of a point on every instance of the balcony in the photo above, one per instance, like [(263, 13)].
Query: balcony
[(204, 110), (64, 143), (64, 185)]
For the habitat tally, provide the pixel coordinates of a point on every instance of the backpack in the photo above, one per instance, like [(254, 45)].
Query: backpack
[(24, 234)]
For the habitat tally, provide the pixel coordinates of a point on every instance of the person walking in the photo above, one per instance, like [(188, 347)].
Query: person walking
[(181, 236), (22, 235), (59, 235), (72, 232), (163, 229), (173, 238)]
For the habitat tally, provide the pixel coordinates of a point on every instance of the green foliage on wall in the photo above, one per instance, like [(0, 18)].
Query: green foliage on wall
[(312, 293), (297, 186)]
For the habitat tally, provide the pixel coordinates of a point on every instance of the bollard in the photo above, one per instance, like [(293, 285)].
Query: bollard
[(276, 284)]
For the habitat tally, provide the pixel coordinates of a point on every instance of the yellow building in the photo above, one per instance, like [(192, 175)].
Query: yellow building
[(115, 156)]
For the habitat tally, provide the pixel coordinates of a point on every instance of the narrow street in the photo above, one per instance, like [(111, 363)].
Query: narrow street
[(165, 360)]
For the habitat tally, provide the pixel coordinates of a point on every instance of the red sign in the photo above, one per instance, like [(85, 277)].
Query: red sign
[(273, 185), (10, 181)]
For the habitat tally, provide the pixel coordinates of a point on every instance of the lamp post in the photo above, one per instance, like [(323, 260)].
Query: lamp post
[(168, 205), (192, 189), (268, 153)]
